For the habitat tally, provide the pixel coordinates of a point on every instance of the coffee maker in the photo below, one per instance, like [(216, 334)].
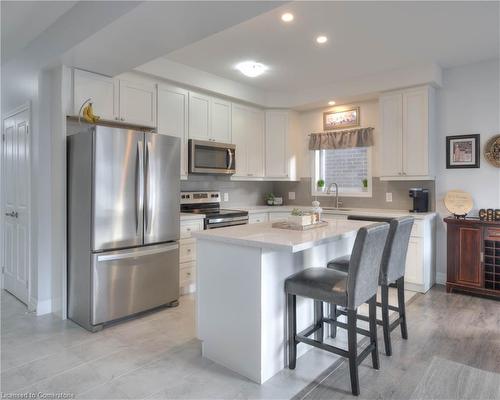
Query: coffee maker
[(420, 200)]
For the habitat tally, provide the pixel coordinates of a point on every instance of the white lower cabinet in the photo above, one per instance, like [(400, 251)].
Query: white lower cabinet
[(258, 218), (279, 216), (420, 258), (326, 216), (187, 255)]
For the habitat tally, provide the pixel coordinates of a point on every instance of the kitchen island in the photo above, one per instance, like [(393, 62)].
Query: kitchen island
[(241, 303)]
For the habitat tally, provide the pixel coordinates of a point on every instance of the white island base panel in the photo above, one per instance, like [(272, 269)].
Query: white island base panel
[(241, 302)]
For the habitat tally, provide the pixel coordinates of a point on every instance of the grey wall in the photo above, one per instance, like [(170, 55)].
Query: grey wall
[(240, 193), (399, 190)]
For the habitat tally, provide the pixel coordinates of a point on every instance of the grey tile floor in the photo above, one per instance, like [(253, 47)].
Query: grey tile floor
[(155, 356)]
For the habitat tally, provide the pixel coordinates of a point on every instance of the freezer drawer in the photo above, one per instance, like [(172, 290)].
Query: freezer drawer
[(129, 281)]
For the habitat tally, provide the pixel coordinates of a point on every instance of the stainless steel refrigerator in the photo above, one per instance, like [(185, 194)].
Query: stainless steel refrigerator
[(123, 223)]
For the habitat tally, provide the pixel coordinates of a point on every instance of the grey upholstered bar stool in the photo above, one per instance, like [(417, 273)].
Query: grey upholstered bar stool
[(349, 290), (392, 270)]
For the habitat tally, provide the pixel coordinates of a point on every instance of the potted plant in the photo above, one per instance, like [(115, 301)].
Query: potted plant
[(270, 199), (320, 185), (365, 184)]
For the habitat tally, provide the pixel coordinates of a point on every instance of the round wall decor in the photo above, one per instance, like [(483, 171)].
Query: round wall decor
[(458, 202), (492, 151)]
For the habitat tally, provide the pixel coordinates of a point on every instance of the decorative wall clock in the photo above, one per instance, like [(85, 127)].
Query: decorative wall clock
[(492, 151)]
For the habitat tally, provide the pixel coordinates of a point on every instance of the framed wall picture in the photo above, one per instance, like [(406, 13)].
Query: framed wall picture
[(340, 119), (462, 151)]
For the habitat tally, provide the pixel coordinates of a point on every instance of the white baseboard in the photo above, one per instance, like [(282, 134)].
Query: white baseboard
[(440, 278), (44, 307), (32, 305)]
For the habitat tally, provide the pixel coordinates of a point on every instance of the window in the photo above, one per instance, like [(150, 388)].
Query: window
[(349, 168)]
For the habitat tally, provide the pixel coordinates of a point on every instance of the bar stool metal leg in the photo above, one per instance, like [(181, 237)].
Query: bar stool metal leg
[(318, 320), (353, 350), (372, 314), (385, 319), (333, 316), (401, 307), (292, 330)]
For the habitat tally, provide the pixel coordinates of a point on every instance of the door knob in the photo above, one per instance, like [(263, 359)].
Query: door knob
[(12, 214)]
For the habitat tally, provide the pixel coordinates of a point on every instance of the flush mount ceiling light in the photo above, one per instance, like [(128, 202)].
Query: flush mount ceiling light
[(251, 69), (331, 103), (321, 39), (287, 17)]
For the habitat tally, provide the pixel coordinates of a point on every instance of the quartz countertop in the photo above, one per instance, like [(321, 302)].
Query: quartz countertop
[(191, 216), (375, 212), (264, 236)]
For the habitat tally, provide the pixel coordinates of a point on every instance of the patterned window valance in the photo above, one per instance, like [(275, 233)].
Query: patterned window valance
[(362, 137)]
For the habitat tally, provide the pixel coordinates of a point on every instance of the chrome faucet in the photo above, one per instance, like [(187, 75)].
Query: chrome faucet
[(329, 191)]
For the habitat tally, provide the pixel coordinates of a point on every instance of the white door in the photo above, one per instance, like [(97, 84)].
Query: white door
[(276, 144), (138, 103), (391, 132), (220, 120), (173, 118), (199, 116), (16, 204), (97, 87), (415, 133)]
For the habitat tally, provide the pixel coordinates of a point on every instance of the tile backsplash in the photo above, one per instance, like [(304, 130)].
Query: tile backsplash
[(253, 192), (240, 193), (399, 190)]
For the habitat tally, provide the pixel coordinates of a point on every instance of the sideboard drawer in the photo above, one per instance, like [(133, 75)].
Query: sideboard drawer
[(493, 233)]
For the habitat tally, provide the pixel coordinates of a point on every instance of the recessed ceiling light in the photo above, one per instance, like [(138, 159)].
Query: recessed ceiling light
[(287, 17), (321, 39), (251, 69), (331, 103)]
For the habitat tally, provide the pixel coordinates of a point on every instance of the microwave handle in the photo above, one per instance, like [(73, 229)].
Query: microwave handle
[(230, 158)]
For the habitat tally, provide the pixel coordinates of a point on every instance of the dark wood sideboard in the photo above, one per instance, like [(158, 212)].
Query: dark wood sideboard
[(473, 256)]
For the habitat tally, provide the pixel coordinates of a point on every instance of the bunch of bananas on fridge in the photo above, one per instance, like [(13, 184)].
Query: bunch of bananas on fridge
[(88, 114)]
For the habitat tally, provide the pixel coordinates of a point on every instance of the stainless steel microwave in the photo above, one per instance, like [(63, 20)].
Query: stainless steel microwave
[(207, 157)]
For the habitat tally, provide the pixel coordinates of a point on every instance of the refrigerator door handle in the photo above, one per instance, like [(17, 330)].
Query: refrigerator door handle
[(135, 253), (139, 168), (146, 189)]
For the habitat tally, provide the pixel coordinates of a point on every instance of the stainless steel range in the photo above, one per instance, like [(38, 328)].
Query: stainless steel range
[(208, 203)]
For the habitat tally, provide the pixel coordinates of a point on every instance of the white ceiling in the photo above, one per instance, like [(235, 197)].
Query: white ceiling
[(23, 21), (365, 38)]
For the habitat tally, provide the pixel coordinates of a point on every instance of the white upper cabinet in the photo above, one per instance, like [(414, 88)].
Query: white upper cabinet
[(255, 143), (407, 132), (281, 150), (137, 103), (220, 120), (239, 128), (100, 89), (199, 116), (248, 136), (416, 133), (276, 144), (125, 100), (391, 128), (209, 118), (173, 118)]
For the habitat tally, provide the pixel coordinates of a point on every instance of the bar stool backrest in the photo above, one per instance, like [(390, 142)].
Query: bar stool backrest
[(364, 265), (396, 247)]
